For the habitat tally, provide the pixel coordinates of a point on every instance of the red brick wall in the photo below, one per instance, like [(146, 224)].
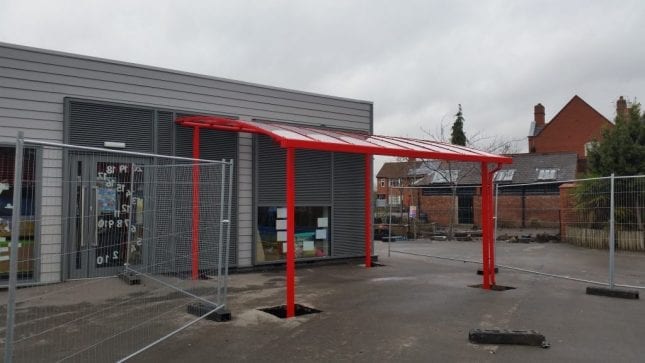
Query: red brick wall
[(438, 208), (540, 211), (568, 213)]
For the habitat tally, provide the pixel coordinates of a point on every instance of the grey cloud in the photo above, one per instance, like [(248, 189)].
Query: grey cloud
[(415, 59)]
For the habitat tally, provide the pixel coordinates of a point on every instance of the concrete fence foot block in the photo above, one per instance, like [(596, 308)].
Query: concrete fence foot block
[(606, 291), (130, 278), (502, 336), (199, 309)]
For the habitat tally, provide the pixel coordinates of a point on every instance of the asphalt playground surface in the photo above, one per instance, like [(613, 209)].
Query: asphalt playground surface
[(418, 309)]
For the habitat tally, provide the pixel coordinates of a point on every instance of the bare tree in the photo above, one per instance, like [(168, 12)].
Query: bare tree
[(452, 172)]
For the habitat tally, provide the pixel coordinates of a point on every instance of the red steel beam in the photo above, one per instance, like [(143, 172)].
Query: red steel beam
[(368, 210), (376, 150), (195, 242), (491, 223), (485, 226), (291, 254)]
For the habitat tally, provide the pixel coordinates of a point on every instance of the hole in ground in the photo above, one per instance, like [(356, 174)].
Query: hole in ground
[(281, 311), (493, 287)]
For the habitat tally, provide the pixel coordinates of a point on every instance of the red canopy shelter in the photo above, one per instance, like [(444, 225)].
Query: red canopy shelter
[(291, 137)]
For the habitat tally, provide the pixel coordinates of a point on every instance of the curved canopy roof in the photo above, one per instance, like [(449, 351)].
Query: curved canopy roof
[(317, 138)]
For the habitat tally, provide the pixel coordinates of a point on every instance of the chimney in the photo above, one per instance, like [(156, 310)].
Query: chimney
[(539, 115), (621, 107)]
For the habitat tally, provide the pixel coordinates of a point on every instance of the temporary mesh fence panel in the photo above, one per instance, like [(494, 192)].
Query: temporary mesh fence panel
[(558, 229), (574, 218), (137, 238)]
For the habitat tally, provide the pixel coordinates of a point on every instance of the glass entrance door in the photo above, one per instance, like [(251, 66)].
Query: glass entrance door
[(106, 214)]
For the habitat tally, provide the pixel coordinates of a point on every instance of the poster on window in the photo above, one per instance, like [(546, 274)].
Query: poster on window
[(413, 211), (106, 199)]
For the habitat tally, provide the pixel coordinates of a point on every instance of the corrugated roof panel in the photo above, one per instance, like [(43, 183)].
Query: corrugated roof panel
[(344, 141)]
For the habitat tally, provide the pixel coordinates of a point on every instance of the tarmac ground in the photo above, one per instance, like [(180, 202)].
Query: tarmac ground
[(419, 309), (416, 307)]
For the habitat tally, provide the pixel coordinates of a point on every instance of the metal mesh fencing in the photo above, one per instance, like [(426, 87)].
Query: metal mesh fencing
[(587, 230), (595, 222), (429, 212), (116, 251)]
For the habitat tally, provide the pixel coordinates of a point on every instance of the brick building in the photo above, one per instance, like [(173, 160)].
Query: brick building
[(572, 129), (393, 177), (522, 202)]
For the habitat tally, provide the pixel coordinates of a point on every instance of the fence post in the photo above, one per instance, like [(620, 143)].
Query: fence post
[(228, 229), (221, 233), (389, 225), (612, 232), (13, 254), (495, 226)]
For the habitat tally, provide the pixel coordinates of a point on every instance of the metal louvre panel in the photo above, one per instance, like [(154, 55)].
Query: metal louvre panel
[(165, 128), (93, 123), (217, 145), (163, 246), (313, 177), (163, 195), (347, 212), (214, 145), (271, 172)]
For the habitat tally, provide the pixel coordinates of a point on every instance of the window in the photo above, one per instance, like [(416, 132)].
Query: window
[(395, 182), (547, 174), (504, 175), (27, 222), (312, 233), (395, 199), (443, 175), (588, 146), (382, 183)]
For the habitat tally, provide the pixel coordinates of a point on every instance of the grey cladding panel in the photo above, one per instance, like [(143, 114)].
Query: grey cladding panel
[(85, 67), (42, 78), (347, 214), (92, 123)]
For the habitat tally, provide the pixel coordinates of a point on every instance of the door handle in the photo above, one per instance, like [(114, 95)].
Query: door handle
[(82, 216), (96, 217)]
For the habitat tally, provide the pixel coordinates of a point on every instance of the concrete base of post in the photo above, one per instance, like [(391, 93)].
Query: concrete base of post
[(199, 309), (609, 292)]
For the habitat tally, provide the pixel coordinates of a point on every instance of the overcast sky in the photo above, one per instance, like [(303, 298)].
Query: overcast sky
[(416, 60)]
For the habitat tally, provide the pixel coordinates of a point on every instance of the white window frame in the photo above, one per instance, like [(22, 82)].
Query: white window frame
[(547, 173), (504, 175)]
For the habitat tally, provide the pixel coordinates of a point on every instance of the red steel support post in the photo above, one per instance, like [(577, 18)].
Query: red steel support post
[(491, 223), (195, 242), (368, 210), (486, 231), (291, 255), (491, 228)]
